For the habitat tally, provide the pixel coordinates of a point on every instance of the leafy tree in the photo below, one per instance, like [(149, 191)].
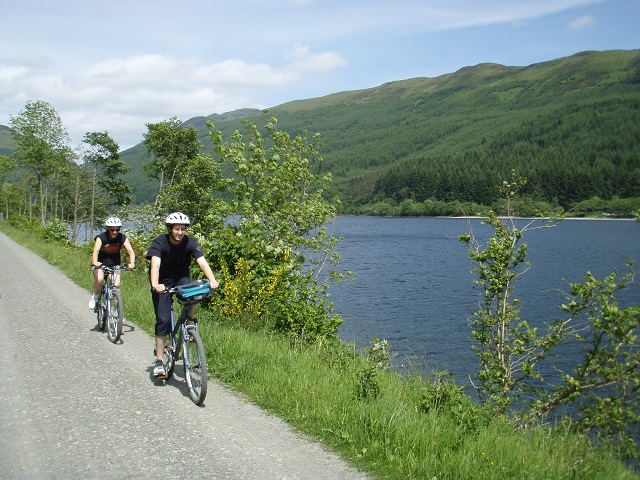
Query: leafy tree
[(7, 166), (172, 146), (603, 388), (274, 253), (263, 224), (103, 158), (193, 191), (274, 185), (508, 347), (41, 145), (605, 385), (81, 200)]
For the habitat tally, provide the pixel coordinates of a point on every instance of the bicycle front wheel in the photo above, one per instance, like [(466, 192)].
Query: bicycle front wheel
[(168, 361), (115, 317), (101, 312), (196, 373)]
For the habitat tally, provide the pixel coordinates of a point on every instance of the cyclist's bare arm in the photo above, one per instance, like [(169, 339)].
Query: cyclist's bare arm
[(206, 269), (132, 255), (154, 275), (96, 250)]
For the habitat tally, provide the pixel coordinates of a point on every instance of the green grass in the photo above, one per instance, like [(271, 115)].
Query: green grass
[(315, 390)]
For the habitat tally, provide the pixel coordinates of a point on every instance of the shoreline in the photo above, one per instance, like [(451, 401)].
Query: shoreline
[(630, 219)]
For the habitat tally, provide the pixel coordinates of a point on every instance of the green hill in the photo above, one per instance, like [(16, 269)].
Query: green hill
[(6, 142), (570, 125)]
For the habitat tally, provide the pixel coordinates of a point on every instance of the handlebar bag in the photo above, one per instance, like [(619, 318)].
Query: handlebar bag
[(194, 292)]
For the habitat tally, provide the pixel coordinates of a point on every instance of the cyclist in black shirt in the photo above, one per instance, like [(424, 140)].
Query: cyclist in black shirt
[(170, 255), (106, 250)]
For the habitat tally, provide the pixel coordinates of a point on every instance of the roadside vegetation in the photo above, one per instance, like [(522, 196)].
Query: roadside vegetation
[(519, 372)]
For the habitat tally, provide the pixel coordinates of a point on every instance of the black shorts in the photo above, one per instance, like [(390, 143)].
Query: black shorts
[(162, 307)]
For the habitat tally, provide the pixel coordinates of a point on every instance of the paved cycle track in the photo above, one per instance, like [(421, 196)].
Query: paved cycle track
[(73, 405)]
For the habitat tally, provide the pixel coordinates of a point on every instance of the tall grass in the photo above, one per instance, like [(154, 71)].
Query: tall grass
[(391, 434)]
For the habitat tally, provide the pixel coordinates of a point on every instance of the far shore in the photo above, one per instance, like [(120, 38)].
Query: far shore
[(632, 219)]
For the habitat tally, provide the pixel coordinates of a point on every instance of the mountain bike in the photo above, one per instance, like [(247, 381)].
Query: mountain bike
[(109, 309), (185, 342)]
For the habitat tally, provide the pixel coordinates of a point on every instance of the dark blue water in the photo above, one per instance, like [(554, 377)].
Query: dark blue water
[(414, 284)]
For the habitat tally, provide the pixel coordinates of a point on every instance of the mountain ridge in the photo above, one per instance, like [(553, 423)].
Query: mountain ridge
[(473, 111), (573, 117)]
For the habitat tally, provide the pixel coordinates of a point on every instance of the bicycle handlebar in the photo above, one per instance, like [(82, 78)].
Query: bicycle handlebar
[(108, 269), (173, 290)]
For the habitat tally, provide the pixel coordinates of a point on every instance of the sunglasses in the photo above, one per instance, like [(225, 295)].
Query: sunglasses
[(114, 229)]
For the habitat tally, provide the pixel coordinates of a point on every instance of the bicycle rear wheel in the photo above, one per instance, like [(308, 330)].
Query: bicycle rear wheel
[(101, 312), (115, 317), (196, 372)]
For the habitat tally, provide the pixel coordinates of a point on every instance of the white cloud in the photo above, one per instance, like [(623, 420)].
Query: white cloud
[(123, 94), (235, 73), (582, 22), (302, 60)]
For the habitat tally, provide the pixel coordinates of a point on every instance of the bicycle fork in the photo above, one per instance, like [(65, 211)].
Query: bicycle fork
[(106, 293), (104, 313), (186, 337)]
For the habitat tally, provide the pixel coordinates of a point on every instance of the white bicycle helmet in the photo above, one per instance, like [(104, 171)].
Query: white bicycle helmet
[(177, 218), (113, 222)]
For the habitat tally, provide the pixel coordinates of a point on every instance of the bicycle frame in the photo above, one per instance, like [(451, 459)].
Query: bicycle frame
[(109, 297), (105, 291), (109, 274), (185, 342), (177, 337)]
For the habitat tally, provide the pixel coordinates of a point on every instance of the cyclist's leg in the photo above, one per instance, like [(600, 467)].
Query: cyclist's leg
[(98, 278), (116, 277), (162, 307), (97, 286)]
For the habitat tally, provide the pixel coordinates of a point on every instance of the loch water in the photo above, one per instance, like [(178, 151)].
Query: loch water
[(414, 283)]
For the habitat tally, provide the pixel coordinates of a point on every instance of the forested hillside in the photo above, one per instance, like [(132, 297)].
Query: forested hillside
[(6, 143), (571, 126)]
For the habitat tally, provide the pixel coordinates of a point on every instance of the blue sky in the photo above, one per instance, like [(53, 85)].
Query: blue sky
[(116, 65)]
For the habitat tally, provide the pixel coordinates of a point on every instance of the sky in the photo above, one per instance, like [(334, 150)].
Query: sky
[(117, 65)]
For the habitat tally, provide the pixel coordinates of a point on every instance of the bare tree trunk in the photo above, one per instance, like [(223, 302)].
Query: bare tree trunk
[(93, 197), (76, 205), (43, 208)]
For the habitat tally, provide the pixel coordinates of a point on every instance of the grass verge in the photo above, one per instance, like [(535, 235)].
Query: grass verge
[(394, 433)]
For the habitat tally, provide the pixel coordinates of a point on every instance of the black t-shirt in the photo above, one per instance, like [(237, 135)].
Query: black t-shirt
[(174, 259), (109, 253)]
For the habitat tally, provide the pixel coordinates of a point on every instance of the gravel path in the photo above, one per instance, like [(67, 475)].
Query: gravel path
[(74, 405)]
